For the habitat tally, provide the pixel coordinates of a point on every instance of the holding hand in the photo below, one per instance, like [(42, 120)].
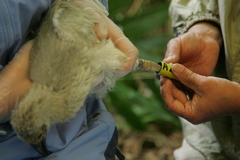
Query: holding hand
[(197, 49), (213, 97), (107, 29), (14, 81)]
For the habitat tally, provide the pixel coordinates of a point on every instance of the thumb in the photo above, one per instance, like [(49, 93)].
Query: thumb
[(186, 76), (122, 43), (172, 54)]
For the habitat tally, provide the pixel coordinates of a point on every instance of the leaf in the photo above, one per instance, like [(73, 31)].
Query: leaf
[(137, 96)]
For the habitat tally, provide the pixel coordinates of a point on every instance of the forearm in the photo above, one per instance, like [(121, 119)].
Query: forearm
[(231, 96)]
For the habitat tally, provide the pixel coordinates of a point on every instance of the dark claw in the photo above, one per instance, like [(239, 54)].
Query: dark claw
[(2, 131), (41, 147)]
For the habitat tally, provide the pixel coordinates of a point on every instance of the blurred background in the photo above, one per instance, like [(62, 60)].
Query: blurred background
[(147, 130)]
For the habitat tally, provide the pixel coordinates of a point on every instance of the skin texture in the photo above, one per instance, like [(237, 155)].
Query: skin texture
[(98, 77), (14, 81), (211, 97)]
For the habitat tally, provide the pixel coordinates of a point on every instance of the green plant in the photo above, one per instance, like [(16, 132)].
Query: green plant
[(136, 96)]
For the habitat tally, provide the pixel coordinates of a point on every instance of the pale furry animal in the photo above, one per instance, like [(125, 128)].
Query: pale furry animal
[(67, 62)]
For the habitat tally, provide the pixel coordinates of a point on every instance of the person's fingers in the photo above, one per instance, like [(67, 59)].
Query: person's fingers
[(99, 11), (122, 43), (131, 54), (177, 102), (187, 77), (14, 80), (101, 30), (106, 28), (182, 48), (21, 61), (172, 90), (19, 64), (173, 98), (172, 54), (162, 80)]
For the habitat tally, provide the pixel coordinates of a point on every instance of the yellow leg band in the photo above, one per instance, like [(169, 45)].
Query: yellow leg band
[(166, 70)]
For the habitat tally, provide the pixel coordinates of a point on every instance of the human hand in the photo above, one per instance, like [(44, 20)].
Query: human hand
[(107, 29), (213, 97), (197, 49), (14, 82)]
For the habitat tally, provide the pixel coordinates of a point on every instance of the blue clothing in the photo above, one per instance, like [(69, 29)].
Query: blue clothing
[(17, 18), (90, 135), (85, 136)]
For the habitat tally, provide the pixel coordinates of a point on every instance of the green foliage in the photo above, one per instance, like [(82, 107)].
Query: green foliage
[(137, 96)]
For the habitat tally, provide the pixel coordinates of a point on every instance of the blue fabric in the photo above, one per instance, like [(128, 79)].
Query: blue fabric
[(105, 3), (17, 18), (89, 143), (82, 137), (87, 135)]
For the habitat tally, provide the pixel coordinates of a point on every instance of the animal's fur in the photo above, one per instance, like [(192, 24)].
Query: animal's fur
[(67, 61)]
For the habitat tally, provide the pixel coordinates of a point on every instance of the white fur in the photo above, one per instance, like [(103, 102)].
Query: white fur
[(66, 61)]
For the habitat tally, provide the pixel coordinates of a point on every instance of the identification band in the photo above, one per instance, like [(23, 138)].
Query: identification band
[(166, 70)]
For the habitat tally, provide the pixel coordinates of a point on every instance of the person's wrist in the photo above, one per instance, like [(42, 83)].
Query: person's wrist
[(232, 93), (209, 29)]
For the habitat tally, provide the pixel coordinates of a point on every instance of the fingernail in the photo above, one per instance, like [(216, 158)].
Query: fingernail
[(169, 58), (176, 68)]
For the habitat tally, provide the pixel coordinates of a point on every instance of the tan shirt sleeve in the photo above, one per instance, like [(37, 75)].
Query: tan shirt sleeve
[(185, 13)]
